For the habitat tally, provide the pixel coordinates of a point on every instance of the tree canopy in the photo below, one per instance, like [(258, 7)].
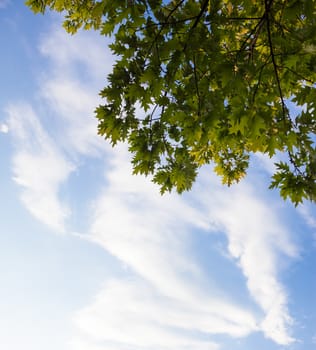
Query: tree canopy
[(214, 80)]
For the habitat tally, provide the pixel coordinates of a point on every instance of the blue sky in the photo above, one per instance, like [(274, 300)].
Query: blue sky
[(92, 258)]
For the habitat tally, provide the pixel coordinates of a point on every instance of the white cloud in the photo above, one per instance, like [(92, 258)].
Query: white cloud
[(308, 213), (4, 128), (78, 70), (38, 167), (74, 106), (151, 235), (258, 241), (130, 313), (66, 105), (267, 163), (307, 210), (84, 53), (170, 303)]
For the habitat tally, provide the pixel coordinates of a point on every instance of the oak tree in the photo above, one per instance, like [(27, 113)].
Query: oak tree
[(215, 80)]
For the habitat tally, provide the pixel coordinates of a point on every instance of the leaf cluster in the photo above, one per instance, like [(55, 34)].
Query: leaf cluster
[(214, 78)]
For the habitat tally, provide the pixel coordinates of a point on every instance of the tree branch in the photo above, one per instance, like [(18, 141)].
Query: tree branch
[(163, 26), (259, 79), (275, 67), (197, 86), (197, 19), (276, 73), (299, 75)]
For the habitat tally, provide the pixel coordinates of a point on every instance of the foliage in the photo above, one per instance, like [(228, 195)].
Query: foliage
[(215, 79)]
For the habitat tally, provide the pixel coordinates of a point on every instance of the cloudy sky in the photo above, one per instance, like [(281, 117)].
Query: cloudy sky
[(92, 258)]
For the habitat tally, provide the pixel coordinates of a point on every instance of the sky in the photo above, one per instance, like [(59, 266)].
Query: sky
[(93, 258)]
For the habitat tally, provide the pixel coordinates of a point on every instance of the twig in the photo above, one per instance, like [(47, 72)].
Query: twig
[(299, 75), (197, 86), (259, 79)]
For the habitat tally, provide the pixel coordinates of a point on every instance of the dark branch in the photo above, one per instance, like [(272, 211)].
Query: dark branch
[(276, 73), (197, 20), (163, 26), (275, 67), (259, 79), (197, 87), (299, 75)]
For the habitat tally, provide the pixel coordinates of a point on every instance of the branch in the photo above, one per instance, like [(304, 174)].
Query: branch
[(163, 26), (151, 118), (256, 28), (197, 19), (243, 18), (275, 67), (203, 9), (276, 73), (259, 79), (197, 87), (299, 75)]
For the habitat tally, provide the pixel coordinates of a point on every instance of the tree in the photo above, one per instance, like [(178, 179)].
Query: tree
[(215, 79)]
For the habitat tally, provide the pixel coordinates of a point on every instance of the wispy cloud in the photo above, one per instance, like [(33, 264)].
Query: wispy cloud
[(169, 302), (152, 235), (43, 162), (38, 167), (307, 210), (78, 68), (72, 105), (258, 241), (84, 54), (132, 314)]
